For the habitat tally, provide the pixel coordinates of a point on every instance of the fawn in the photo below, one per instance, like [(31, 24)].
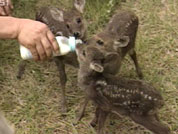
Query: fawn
[(62, 23), (118, 36), (111, 94)]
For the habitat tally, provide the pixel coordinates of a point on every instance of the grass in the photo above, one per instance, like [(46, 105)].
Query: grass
[(32, 104)]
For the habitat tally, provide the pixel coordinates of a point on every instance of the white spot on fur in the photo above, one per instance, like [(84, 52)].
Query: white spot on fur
[(128, 102), (125, 103), (127, 25), (146, 96), (101, 82), (155, 99), (150, 98)]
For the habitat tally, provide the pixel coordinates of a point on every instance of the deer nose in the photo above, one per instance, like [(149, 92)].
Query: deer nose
[(76, 34)]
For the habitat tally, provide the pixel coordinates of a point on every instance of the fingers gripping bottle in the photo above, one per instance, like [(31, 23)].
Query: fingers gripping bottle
[(66, 45)]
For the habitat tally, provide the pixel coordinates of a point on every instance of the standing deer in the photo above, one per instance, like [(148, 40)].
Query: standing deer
[(118, 36), (111, 94), (62, 23)]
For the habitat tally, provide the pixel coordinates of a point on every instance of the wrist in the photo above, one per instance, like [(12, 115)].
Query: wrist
[(9, 27), (16, 28)]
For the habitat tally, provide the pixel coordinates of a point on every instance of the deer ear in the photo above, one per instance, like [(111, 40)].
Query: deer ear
[(57, 14), (79, 5), (96, 67), (122, 42)]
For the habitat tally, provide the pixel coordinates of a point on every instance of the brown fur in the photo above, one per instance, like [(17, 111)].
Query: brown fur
[(134, 98), (118, 36), (62, 23)]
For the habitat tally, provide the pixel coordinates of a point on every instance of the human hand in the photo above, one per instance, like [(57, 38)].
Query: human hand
[(37, 37), (5, 7)]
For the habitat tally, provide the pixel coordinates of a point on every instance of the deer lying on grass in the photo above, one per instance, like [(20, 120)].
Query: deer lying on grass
[(62, 23), (118, 36), (111, 94)]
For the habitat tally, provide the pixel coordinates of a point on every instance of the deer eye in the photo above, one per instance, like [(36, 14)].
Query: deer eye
[(100, 42), (68, 26), (78, 20)]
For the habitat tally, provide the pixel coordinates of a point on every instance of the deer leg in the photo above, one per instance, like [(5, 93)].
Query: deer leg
[(133, 56), (82, 110), (21, 69), (101, 121), (94, 121), (152, 123), (63, 80)]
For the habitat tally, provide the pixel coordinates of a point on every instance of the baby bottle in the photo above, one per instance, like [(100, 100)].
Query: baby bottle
[(66, 45)]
